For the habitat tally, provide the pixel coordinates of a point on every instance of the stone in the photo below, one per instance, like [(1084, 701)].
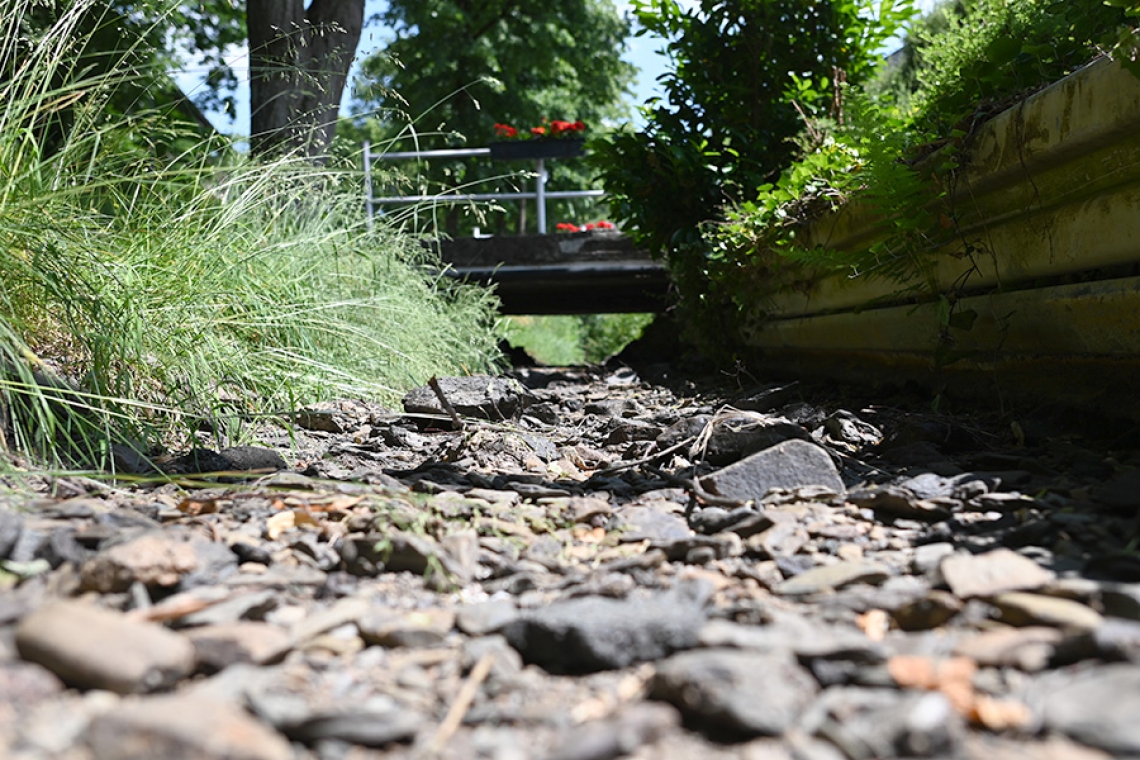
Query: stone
[(1098, 707), (182, 728), (732, 693), (617, 736), (346, 610), (832, 577), (94, 648), (245, 458), (808, 640), (158, 560), (1028, 649), (406, 628), (489, 398), (881, 723), (593, 633), (780, 540), (930, 611), (652, 523), (375, 723), (788, 465), (737, 436), (218, 646), (1019, 608), (995, 572), (485, 617), (897, 501)]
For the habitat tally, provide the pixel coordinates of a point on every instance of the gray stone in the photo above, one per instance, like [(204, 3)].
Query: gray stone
[(93, 648), (246, 458), (641, 523), (406, 628), (1019, 608), (1028, 649), (375, 723), (928, 557), (489, 398), (633, 726), (11, 526), (832, 577), (994, 572), (897, 501), (158, 560), (881, 723), (790, 465), (485, 617), (1099, 708), (182, 728), (217, 647), (809, 640), (592, 633), (733, 438), (735, 693), (930, 611)]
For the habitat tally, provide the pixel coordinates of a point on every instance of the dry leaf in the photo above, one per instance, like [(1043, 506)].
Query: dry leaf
[(280, 523), (954, 677), (199, 506)]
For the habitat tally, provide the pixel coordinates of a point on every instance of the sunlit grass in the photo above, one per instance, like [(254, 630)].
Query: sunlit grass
[(143, 287)]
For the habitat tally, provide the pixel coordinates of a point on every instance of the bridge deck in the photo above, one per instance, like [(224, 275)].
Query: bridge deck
[(575, 273)]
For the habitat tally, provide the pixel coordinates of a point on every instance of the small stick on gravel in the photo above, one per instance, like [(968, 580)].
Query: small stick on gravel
[(646, 459), (459, 707), (456, 423), (693, 486)]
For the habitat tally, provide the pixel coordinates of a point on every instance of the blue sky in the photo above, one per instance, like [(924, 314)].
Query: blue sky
[(641, 52)]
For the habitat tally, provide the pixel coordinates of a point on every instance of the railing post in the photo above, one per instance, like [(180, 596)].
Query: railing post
[(368, 182), (540, 194)]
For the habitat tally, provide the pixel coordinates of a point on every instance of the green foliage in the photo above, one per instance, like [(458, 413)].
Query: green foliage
[(141, 292), (571, 340), (746, 73), (455, 69)]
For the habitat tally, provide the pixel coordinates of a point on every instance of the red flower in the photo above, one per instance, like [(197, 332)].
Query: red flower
[(578, 126), (604, 225), (538, 131), (506, 130), (566, 227)]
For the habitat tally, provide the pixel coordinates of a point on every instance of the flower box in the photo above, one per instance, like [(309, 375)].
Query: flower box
[(521, 150)]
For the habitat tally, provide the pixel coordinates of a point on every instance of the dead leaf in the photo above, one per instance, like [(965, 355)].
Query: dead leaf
[(280, 523), (954, 677), (200, 506)]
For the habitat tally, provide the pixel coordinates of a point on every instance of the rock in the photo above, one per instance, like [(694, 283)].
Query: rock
[(897, 501), (489, 398), (217, 647), (880, 723), (344, 611), (808, 640), (1028, 649), (93, 648), (735, 437), (1098, 707), (1022, 609), (620, 735), (158, 560), (182, 728), (400, 628), (782, 539), (485, 617), (832, 577), (735, 693), (1121, 493), (594, 633), (928, 557), (245, 458), (11, 525), (931, 611), (641, 523), (790, 465), (375, 723), (994, 572)]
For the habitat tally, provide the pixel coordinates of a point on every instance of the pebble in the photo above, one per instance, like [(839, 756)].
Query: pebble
[(527, 589), (93, 648)]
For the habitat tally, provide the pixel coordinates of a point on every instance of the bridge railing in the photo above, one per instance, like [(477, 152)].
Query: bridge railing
[(540, 193)]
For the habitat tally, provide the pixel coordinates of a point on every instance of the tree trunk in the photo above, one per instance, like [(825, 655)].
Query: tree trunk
[(298, 67)]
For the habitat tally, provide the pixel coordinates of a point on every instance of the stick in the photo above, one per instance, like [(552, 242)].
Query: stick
[(694, 486), (456, 423), (460, 706)]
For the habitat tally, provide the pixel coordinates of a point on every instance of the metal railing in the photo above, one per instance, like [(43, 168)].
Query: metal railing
[(540, 194)]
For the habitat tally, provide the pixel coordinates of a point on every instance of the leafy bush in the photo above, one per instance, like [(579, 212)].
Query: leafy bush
[(744, 75)]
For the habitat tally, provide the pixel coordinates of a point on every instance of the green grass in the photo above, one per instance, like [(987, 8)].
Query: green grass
[(560, 341), (148, 279)]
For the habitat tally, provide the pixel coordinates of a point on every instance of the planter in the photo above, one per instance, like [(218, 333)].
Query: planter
[(1048, 198), (535, 149)]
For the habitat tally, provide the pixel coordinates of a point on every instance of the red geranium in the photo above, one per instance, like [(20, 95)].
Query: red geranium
[(566, 227), (548, 128)]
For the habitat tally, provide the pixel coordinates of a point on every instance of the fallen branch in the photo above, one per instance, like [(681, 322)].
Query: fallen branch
[(457, 423), (693, 486), (459, 707)]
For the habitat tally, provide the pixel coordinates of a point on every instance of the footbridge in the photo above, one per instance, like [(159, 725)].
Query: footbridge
[(595, 272)]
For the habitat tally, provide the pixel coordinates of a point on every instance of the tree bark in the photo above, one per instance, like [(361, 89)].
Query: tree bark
[(298, 66)]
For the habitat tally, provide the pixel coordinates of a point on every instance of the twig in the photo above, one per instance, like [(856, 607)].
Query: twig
[(645, 459), (460, 706), (694, 487), (447, 407)]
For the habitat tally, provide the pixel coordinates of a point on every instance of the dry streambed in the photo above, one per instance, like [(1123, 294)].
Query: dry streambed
[(589, 567)]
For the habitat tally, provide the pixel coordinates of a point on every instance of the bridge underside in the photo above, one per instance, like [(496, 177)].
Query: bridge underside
[(576, 273)]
